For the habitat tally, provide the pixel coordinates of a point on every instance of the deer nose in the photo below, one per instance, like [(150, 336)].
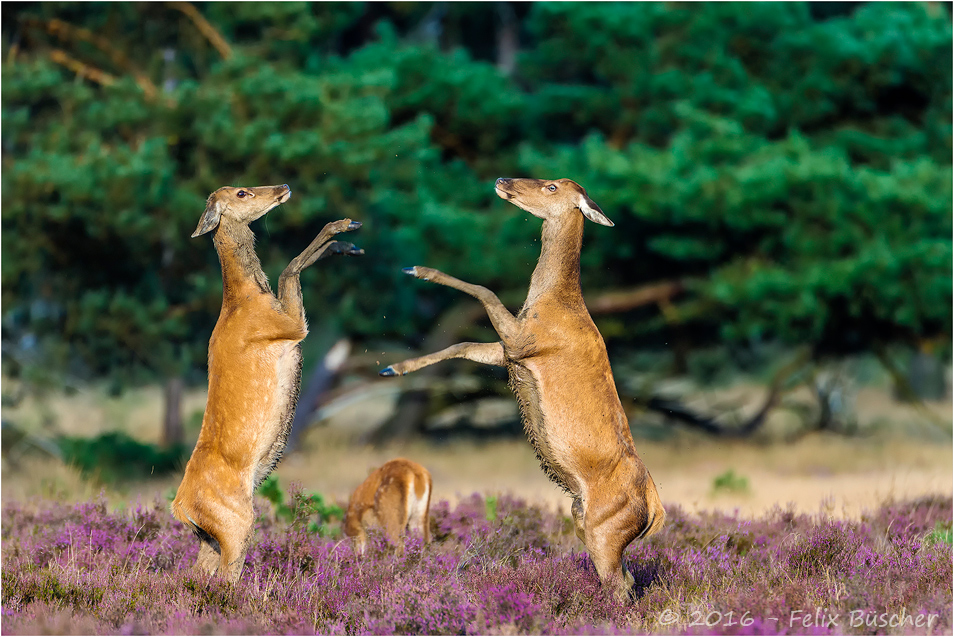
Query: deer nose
[(503, 181)]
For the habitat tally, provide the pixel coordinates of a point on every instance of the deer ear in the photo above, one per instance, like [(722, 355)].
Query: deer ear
[(210, 218), (592, 212)]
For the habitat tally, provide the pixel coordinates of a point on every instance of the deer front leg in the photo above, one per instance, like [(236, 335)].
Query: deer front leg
[(289, 285), (311, 254), (503, 321), (487, 353)]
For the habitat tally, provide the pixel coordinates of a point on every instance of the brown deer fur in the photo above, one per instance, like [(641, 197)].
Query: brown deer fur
[(560, 373), (395, 496), (254, 376)]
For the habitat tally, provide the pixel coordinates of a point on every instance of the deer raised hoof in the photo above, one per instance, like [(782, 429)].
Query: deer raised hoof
[(343, 247), (561, 375), (388, 371)]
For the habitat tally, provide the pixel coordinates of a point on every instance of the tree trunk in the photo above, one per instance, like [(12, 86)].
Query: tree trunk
[(507, 39), (172, 433), (926, 377)]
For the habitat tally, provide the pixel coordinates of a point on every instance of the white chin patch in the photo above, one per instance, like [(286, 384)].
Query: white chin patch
[(503, 194)]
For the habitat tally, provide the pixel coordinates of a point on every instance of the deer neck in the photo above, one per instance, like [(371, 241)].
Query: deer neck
[(558, 269), (241, 267)]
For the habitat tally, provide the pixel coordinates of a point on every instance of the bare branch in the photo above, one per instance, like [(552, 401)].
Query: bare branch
[(625, 300), (508, 38), (904, 388), (205, 28), (674, 410), (81, 68), (66, 32)]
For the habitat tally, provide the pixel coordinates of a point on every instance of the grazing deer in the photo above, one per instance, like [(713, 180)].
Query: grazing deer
[(254, 376), (395, 496), (560, 373)]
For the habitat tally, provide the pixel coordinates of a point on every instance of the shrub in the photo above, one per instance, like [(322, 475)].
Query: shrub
[(85, 569)]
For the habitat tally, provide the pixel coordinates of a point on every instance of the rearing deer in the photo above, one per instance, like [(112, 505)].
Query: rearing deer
[(560, 373), (254, 376)]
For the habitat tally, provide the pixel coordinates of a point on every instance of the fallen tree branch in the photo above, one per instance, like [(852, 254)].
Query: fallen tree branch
[(626, 300), (673, 409)]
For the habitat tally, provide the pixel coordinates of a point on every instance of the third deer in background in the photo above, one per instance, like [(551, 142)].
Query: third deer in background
[(396, 496)]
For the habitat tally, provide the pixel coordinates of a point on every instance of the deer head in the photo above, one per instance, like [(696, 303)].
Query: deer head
[(550, 199), (240, 205)]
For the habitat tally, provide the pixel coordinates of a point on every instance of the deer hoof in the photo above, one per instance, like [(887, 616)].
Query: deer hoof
[(355, 251), (354, 225), (388, 371), (412, 271)]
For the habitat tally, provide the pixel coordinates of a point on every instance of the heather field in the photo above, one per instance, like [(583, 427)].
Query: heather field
[(497, 566)]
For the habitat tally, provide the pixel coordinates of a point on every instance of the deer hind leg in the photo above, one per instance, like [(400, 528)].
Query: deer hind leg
[(361, 542), (426, 519), (606, 552), (208, 560), (504, 322), (576, 510), (194, 513), (418, 508), (390, 508), (232, 558), (608, 533), (234, 536), (487, 353)]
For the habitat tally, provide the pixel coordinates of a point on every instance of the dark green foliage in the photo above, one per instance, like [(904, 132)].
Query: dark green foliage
[(795, 164), (116, 457), (272, 491), (301, 508)]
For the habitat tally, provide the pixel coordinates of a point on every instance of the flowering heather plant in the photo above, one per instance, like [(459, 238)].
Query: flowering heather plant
[(495, 567)]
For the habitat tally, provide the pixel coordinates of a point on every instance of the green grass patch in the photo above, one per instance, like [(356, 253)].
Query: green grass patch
[(729, 482)]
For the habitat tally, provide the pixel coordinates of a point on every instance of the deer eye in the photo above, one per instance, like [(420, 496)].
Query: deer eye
[(240, 194), (551, 188)]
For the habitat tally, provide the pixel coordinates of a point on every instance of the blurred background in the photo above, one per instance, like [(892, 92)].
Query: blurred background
[(776, 294)]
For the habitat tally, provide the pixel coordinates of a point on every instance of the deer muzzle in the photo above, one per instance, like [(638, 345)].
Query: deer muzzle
[(502, 188)]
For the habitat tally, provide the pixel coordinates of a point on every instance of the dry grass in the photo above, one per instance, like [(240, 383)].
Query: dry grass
[(844, 475)]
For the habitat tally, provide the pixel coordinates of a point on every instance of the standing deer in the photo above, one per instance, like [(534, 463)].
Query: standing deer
[(254, 376), (560, 373), (395, 496)]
